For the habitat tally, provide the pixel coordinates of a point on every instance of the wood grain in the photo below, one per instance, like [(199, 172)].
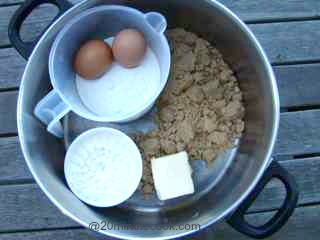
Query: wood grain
[(8, 111), (302, 225), (289, 41), (5, 15), (26, 207), (36, 212), (306, 174), (33, 25), (12, 164), (76, 234), (257, 10), (11, 68), (282, 41), (9, 2), (273, 10), (298, 133), (298, 85)]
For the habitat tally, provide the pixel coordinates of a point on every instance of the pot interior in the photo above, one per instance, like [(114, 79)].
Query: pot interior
[(45, 154)]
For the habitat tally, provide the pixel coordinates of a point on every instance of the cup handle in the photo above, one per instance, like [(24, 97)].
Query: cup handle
[(50, 110), (157, 21)]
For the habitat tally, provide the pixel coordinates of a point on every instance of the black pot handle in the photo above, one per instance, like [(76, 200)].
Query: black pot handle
[(26, 48), (237, 220)]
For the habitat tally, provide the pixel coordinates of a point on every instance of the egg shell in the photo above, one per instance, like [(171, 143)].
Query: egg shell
[(93, 59), (129, 48)]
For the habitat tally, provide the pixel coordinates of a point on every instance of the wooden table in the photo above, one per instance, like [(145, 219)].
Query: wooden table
[(289, 31)]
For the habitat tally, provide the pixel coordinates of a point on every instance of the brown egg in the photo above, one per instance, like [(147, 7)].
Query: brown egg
[(129, 48), (93, 59)]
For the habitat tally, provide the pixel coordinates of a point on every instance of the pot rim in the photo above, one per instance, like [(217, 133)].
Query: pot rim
[(228, 211)]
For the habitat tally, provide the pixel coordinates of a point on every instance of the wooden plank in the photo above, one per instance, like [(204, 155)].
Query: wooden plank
[(283, 41), (289, 41), (297, 136), (298, 85), (5, 15), (75, 234), (8, 103), (306, 173), (293, 93), (11, 68), (298, 133), (36, 212), (258, 10), (9, 2), (12, 164), (272, 190), (304, 224), (272, 10), (26, 207), (33, 25)]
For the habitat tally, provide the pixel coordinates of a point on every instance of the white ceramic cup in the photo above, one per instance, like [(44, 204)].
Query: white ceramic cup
[(98, 22), (110, 177)]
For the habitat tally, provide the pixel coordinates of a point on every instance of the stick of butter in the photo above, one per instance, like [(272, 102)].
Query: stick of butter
[(172, 176)]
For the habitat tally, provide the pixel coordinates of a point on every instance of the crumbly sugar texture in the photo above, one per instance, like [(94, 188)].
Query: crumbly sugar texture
[(201, 109)]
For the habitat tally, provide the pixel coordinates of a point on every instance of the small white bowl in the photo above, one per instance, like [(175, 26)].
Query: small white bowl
[(103, 167)]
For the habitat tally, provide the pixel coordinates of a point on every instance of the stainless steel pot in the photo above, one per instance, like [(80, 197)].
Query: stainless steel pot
[(245, 177)]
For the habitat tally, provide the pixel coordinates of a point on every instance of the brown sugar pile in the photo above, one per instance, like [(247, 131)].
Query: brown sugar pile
[(201, 109)]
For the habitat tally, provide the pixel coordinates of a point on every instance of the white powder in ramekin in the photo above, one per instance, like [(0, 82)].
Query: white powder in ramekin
[(103, 167), (121, 91)]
